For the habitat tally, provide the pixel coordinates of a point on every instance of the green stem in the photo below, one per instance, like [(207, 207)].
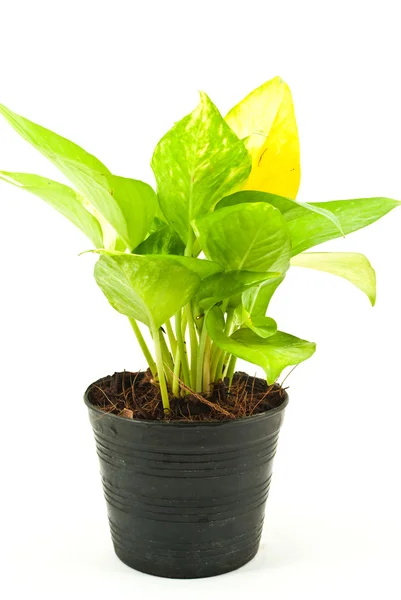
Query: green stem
[(199, 367), (183, 324), (229, 321), (220, 365), (176, 376), (215, 361), (171, 338), (220, 357), (190, 243), (194, 344), (229, 372), (182, 349), (144, 347), (160, 369), (188, 310), (206, 366), (215, 350), (167, 360)]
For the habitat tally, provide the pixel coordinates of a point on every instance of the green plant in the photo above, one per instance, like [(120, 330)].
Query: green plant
[(226, 190)]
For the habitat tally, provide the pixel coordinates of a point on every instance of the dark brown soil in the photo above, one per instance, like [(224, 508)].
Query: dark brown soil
[(137, 396)]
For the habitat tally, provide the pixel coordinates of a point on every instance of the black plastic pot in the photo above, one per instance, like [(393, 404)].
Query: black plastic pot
[(186, 500)]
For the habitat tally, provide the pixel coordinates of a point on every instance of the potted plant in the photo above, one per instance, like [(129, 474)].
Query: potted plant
[(186, 448)]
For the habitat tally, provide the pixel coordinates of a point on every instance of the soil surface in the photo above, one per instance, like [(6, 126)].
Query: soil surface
[(137, 396)]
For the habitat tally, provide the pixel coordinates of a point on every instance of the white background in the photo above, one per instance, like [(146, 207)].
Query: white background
[(114, 76)]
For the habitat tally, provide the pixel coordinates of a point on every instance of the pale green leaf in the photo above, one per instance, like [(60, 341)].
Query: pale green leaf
[(349, 265), (273, 354), (310, 224), (256, 300), (253, 237), (196, 163), (140, 287), (203, 268), (138, 202), (163, 241), (263, 326), (285, 205), (86, 172), (310, 229), (225, 285), (65, 200)]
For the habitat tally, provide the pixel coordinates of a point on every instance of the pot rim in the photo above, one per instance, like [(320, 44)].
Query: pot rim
[(154, 423)]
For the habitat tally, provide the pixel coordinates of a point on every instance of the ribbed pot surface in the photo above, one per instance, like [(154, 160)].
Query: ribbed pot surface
[(186, 499)]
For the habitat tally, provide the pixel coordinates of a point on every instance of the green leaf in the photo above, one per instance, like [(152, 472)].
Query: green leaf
[(257, 299), (157, 224), (86, 172), (263, 326), (350, 265), (273, 354), (309, 224), (138, 203), (65, 200), (309, 229), (141, 288), (225, 285), (285, 205), (163, 241), (252, 237), (196, 163), (203, 268)]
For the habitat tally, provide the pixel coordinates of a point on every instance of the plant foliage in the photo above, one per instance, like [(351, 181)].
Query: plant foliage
[(198, 260)]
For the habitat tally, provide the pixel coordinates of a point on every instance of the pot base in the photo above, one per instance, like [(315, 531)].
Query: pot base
[(189, 570)]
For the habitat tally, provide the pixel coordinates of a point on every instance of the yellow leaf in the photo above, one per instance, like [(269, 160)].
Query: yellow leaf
[(266, 118)]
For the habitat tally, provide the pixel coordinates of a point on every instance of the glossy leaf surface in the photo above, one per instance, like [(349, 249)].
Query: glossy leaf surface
[(138, 202), (163, 241), (285, 205), (311, 224), (225, 285), (253, 237), (84, 170), (140, 286), (196, 163), (65, 200), (273, 354), (266, 120), (350, 265)]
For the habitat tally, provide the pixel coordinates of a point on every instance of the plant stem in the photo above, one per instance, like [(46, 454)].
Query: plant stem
[(168, 365), (190, 244), (219, 356), (160, 370), (229, 321), (220, 365), (215, 349), (201, 355), (215, 361), (190, 318), (144, 347), (229, 372), (183, 324), (194, 344), (171, 338), (176, 375), (206, 366), (182, 349)]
